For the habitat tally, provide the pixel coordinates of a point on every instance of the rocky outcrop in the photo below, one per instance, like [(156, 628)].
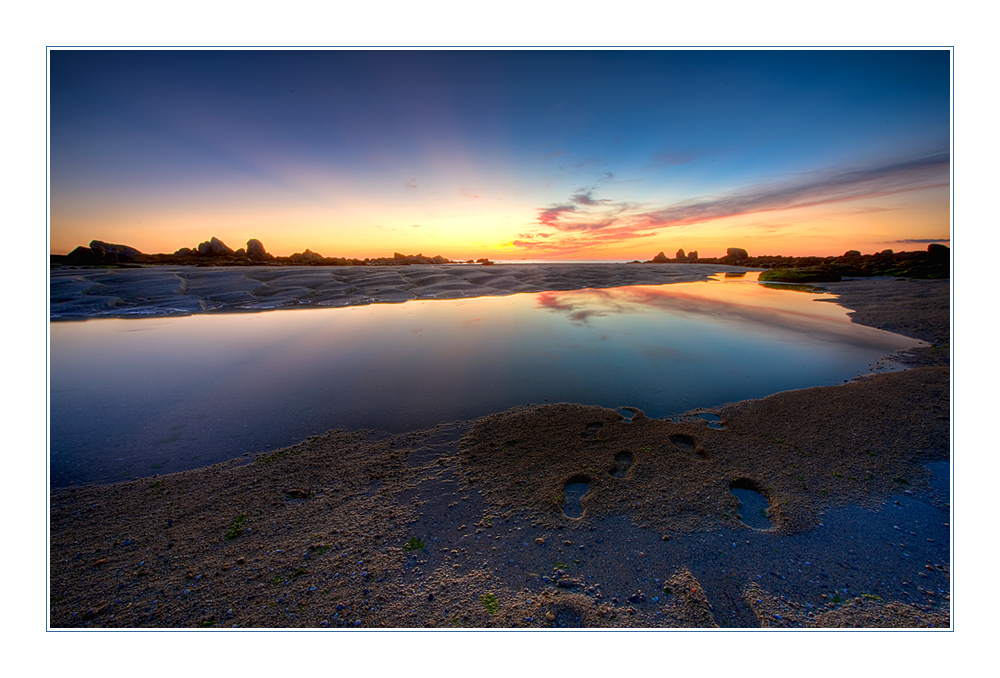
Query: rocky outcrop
[(660, 258), (307, 257), (411, 259), (680, 256), (735, 256), (110, 250), (256, 252), (214, 248), (101, 253)]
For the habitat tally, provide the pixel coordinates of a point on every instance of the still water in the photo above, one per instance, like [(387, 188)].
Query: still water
[(137, 397)]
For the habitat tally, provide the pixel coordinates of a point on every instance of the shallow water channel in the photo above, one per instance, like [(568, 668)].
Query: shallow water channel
[(137, 397)]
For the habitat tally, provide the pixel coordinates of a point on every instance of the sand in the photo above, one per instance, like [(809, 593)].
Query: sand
[(474, 524), (185, 290)]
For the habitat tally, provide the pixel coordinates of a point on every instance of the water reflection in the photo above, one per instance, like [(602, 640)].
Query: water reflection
[(141, 396)]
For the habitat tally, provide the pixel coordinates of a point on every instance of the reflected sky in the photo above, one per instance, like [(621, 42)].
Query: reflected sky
[(135, 397)]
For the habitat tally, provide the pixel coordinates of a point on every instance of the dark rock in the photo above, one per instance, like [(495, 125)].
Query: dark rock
[(680, 255), (660, 258), (256, 251), (735, 255), (693, 255), (933, 248), (116, 252), (307, 257), (214, 248), (852, 254), (185, 252), (84, 256)]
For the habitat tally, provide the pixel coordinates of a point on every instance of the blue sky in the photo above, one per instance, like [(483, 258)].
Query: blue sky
[(562, 153)]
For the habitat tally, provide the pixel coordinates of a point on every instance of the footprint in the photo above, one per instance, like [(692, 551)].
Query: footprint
[(593, 430), (753, 503), (623, 462), (576, 488), (687, 444)]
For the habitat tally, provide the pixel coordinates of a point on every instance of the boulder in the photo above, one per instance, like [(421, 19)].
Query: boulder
[(111, 251), (680, 256), (307, 257), (660, 258), (256, 251), (214, 248), (84, 256), (735, 255), (693, 255)]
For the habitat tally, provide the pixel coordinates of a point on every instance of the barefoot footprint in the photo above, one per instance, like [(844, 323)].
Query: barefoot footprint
[(687, 444), (576, 488), (753, 503), (623, 462)]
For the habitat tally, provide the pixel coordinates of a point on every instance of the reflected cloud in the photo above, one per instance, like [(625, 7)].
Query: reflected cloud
[(730, 307)]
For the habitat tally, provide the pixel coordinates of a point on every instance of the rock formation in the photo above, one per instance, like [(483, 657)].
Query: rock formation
[(307, 257), (735, 255), (101, 253), (256, 251), (214, 248)]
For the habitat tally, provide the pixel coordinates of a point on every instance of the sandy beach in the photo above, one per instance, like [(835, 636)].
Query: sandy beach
[(481, 523)]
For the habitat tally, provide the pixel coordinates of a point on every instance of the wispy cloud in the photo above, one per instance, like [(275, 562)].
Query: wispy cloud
[(922, 241), (586, 220)]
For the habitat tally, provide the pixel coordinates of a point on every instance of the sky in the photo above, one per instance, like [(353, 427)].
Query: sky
[(519, 154)]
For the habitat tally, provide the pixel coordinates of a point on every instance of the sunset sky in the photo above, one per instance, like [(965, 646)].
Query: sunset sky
[(560, 154)]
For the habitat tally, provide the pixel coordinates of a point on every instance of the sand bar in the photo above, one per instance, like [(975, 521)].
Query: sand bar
[(185, 290)]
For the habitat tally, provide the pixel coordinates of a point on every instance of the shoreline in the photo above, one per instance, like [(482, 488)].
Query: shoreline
[(326, 524), (171, 291)]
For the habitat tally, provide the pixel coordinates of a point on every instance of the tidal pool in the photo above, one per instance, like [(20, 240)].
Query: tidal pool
[(137, 397)]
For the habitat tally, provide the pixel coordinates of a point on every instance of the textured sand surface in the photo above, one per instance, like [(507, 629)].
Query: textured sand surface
[(183, 290)]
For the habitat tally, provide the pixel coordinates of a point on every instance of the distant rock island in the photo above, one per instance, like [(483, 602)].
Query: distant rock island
[(933, 263), (214, 252)]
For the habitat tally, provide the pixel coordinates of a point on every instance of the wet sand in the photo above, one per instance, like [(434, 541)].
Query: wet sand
[(471, 524), (184, 290)]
